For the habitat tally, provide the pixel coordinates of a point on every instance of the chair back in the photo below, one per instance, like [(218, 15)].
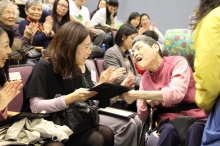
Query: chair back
[(99, 65), (25, 71), (179, 42)]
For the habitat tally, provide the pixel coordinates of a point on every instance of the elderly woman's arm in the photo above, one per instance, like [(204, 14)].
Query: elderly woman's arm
[(171, 94)]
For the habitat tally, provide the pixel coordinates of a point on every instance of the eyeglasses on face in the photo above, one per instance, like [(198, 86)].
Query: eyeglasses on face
[(63, 6)]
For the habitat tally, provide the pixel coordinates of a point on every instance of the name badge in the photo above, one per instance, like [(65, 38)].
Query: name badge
[(14, 76)]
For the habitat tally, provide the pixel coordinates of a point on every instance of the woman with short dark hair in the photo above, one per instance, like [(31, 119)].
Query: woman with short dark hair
[(134, 19)]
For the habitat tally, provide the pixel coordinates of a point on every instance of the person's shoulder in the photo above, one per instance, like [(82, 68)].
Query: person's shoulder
[(215, 12), (102, 10), (24, 22), (85, 8), (112, 50), (43, 64)]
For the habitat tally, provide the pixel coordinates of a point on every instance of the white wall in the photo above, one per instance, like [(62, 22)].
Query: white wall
[(167, 14)]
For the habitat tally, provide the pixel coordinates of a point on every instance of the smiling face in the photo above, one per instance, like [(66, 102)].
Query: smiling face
[(83, 51), (145, 21), (102, 4), (62, 8), (4, 49), (135, 22), (112, 9), (144, 55), (8, 16), (127, 41), (34, 12)]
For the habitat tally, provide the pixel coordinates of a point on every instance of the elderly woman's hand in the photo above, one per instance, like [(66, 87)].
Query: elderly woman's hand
[(130, 96), (110, 74), (31, 30), (8, 92)]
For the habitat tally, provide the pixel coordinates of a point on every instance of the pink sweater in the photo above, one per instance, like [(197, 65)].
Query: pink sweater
[(175, 79)]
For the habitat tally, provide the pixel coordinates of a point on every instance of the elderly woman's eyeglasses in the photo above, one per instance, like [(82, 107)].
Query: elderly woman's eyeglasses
[(63, 6), (8, 14)]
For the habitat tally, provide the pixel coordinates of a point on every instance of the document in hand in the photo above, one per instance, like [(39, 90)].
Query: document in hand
[(108, 90)]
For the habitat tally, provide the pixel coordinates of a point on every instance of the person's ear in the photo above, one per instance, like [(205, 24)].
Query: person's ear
[(26, 11), (156, 47), (123, 37)]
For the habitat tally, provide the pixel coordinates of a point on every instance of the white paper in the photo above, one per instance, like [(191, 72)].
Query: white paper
[(93, 75), (14, 76)]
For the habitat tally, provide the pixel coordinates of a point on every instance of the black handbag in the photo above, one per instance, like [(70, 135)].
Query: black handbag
[(79, 117), (32, 52)]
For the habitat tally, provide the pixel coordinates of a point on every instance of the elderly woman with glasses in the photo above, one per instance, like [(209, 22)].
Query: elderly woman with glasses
[(8, 16), (33, 10)]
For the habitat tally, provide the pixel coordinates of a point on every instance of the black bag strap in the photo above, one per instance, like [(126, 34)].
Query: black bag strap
[(177, 109), (23, 53)]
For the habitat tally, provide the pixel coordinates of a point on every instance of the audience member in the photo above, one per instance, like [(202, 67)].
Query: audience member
[(60, 13), (207, 43), (59, 74), (145, 25), (119, 56), (101, 4), (134, 19), (106, 16), (169, 84), (8, 17), (33, 10), (80, 13), (8, 89)]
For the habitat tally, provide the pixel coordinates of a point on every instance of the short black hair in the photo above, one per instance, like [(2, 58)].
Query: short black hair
[(151, 34), (125, 29), (113, 3)]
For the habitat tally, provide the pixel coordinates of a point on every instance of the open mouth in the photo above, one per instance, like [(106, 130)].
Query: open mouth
[(138, 59)]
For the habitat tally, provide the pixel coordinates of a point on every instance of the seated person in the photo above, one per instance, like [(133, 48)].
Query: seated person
[(145, 25), (33, 10), (134, 19), (126, 130), (56, 83), (119, 56), (167, 83), (9, 89), (60, 13), (106, 16), (101, 4), (79, 13), (8, 16)]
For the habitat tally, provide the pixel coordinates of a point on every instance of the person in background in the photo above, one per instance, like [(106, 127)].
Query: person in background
[(206, 65), (119, 55), (33, 10), (8, 89), (60, 14), (168, 83), (134, 19), (101, 4), (79, 13), (8, 16), (106, 16), (59, 73), (145, 25)]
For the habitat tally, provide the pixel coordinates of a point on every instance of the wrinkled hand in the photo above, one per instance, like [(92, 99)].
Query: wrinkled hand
[(30, 30), (128, 81), (8, 92), (48, 24), (129, 96), (110, 74), (153, 103), (81, 94)]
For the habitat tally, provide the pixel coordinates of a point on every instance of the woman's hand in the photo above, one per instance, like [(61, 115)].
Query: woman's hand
[(30, 30), (130, 96), (128, 81), (110, 74), (48, 24), (8, 92), (81, 94), (141, 30)]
